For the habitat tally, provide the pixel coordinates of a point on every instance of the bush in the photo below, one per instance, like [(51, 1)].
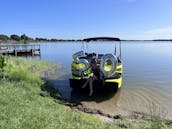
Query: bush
[(15, 37), (3, 37), (2, 64)]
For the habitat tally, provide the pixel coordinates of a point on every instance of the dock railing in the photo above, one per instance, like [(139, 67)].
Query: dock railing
[(19, 48)]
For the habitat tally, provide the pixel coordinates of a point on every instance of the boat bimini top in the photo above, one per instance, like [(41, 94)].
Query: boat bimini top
[(101, 39)]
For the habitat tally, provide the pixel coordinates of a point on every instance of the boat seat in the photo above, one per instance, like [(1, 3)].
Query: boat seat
[(115, 76), (100, 56), (83, 57)]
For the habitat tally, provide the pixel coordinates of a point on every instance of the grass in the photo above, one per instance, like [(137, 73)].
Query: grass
[(27, 102)]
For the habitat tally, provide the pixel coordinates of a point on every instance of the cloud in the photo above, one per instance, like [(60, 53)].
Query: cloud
[(160, 33), (157, 33)]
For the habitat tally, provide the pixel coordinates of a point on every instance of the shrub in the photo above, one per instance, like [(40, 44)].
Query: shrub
[(15, 37), (3, 37), (2, 64)]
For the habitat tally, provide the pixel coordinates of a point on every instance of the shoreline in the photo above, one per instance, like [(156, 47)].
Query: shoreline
[(119, 115), (71, 41), (30, 100), (110, 118)]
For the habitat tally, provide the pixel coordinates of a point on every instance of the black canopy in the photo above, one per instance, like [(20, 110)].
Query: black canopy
[(101, 39)]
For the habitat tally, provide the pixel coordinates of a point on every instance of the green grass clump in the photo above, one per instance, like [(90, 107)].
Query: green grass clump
[(22, 106), (27, 103)]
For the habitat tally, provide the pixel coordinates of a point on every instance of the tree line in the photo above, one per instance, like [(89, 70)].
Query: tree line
[(15, 37), (24, 38)]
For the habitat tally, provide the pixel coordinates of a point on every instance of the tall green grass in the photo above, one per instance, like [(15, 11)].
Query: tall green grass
[(24, 105)]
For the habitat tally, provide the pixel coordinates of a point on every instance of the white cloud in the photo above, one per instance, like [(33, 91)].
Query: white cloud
[(160, 33)]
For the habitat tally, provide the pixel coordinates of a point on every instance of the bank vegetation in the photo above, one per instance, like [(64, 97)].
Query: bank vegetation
[(27, 101)]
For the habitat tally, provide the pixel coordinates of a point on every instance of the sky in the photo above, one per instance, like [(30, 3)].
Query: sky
[(77, 19)]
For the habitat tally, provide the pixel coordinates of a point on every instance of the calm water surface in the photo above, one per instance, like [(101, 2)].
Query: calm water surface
[(147, 75)]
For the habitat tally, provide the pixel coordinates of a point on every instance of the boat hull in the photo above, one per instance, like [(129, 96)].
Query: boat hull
[(115, 82), (77, 84)]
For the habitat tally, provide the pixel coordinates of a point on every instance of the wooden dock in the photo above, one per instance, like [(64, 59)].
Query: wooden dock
[(20, 49)]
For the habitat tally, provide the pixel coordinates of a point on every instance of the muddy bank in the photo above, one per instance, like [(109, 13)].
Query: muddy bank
[(118, 115), (104, 103)]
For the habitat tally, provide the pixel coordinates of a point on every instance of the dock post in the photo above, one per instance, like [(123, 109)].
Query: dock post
[(32, 51), (15, 52), (39, 49)]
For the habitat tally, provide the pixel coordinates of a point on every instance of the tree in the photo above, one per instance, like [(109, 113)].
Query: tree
[(41, 39), (24, 37), (15, 37), (3, 37)]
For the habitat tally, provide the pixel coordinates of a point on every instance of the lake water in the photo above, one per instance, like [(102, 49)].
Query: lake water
[(147, 75)]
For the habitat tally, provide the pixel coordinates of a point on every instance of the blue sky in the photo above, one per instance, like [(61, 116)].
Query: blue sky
[(75, 19)]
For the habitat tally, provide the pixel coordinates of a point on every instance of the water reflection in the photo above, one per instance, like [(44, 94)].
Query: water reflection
[(99, 95)]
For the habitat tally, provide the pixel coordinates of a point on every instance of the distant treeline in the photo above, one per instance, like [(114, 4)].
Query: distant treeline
[(162, 40), (24, 38)]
